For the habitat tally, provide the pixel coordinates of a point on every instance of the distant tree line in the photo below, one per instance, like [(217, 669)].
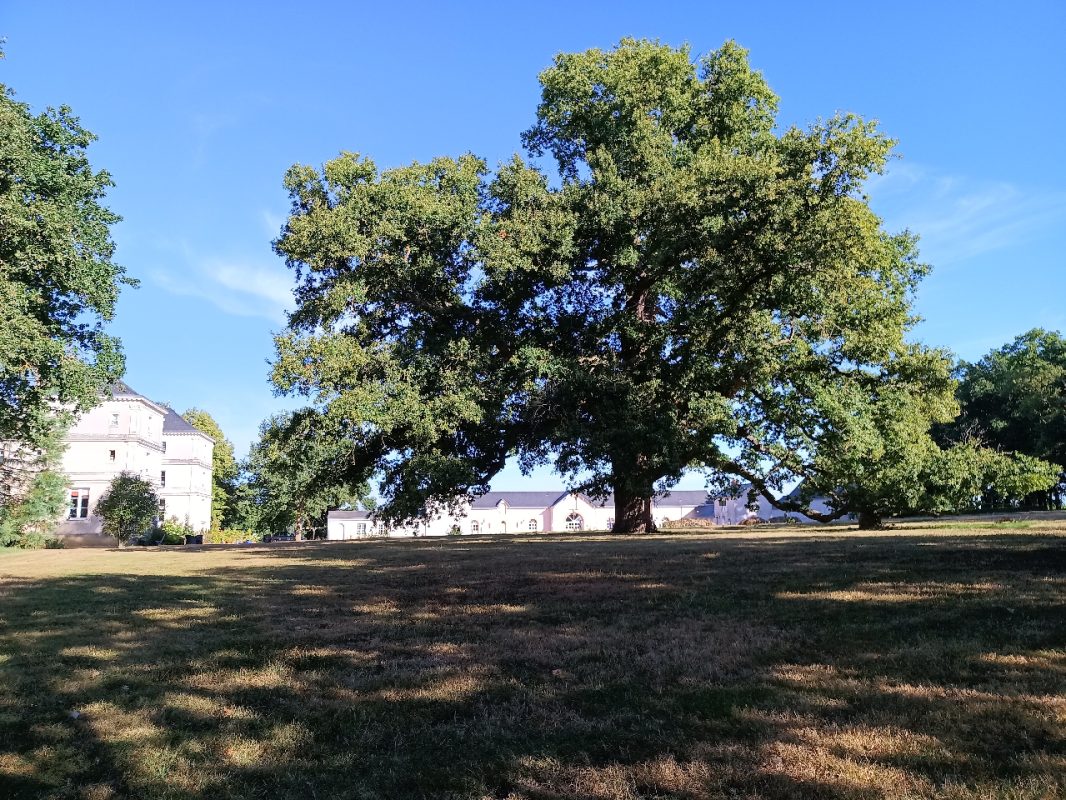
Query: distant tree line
[(1014, 399)]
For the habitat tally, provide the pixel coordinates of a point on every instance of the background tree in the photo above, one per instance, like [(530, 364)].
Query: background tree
[(58, 284), (224, 469), (1015, 400), (289, 476), (689, 288), (32, 489), (128, 507)]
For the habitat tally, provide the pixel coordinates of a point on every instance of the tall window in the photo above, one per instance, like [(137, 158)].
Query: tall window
[(164, 445), (162, 508), (574, 522), (114, 420), (79, 504), (475, 527), (360, 529), (532, 524), (111, 455), (163, 478), (610, 523)]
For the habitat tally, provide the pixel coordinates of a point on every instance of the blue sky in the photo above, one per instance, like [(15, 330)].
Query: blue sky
[(200, 108)]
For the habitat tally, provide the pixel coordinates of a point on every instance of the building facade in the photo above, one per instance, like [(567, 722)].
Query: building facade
[(129, 433), (185, 485), (540, 511)]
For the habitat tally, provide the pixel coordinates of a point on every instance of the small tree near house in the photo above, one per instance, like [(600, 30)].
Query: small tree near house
[(128, 507)]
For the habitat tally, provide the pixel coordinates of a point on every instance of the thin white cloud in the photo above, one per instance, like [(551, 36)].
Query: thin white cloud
[(960, 218), (271, 222), (235, 287)]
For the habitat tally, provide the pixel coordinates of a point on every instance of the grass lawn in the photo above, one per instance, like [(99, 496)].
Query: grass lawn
[(920, 662)]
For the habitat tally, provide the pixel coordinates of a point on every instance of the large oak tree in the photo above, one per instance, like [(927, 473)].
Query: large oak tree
[(668, 281)]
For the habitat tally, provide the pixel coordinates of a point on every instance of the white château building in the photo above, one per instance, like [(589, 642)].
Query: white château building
[(128, 432)]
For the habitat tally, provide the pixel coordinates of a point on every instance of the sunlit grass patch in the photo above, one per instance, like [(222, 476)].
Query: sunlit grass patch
[(767, 663)]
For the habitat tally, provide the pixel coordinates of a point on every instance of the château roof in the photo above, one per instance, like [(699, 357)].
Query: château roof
[(175, 424), (120, 390), (123, 389)]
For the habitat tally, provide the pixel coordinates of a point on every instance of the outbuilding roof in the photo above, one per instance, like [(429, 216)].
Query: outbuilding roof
[(346, 514), (519, 499)]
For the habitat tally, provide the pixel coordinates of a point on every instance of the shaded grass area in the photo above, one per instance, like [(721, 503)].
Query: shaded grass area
[(911, 664)]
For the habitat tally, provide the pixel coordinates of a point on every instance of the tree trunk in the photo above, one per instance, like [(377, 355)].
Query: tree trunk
[(632, 512), (869, 521)]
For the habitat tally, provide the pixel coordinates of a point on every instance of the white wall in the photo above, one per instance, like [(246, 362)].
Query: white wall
[(130, 427), (187, 493)]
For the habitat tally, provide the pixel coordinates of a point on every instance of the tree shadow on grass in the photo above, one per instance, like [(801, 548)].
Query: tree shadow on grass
[(690, 667)]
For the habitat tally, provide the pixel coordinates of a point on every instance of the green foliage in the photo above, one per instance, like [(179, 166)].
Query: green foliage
[(128, 507), (289, 484), (688, 289), (1015, 399), (58, 284), (224, 468), (32, 490), (171, 531), (231, 536)]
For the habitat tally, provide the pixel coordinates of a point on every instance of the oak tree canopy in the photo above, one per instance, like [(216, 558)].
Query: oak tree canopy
[(667, 280)]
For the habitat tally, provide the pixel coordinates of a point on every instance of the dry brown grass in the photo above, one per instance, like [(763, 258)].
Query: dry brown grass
[(771, 663)]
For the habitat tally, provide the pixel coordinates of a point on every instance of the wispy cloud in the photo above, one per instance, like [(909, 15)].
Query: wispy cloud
[(234, 286), (272, 222), (959, 218)]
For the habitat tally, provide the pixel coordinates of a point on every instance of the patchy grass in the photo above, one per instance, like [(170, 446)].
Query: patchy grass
[(775, 664)]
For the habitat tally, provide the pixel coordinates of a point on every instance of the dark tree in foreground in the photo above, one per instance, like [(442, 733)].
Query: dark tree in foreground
[(128, 507), (689, 288)]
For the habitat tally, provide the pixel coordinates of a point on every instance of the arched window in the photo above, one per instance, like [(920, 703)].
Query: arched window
[(475, 527), (532, 524), (574, 522)]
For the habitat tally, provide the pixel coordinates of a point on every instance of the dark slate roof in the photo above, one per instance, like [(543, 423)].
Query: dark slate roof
[(602, 502), (683, 497), (174, 423), (742, 491), (541, 499), (349, 515), (122, 389), (519, 499)]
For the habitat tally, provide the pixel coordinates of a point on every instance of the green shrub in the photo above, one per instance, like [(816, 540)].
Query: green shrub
[(175, 528), (128, 507), (231, 536)]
